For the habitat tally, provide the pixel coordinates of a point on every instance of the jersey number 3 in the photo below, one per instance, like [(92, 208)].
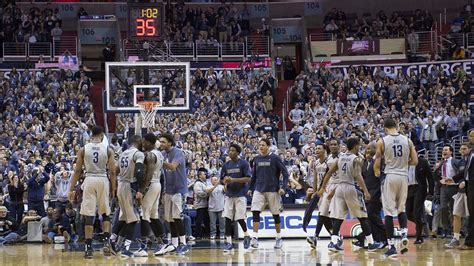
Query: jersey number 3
[(397, 150), (95, 158)]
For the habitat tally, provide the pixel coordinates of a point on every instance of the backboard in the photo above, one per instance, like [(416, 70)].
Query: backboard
[(127, 84)]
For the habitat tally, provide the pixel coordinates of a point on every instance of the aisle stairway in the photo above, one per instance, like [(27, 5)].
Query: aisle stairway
[(96, 97), (283, 86)]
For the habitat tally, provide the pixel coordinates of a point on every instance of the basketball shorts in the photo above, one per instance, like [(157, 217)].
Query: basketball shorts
[(173, 208), (95, 196), (128, 208), (394, 194), (325, 202), (150, 202), (260, 199), (347, 199), (460, 207), (235, 208)]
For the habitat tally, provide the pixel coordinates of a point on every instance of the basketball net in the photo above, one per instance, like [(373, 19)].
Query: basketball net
[(148, 112)]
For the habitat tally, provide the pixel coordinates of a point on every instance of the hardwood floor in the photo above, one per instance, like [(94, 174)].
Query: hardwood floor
[(294, 252)]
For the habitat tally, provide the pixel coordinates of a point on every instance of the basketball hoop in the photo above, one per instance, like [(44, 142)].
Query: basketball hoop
[(148, 112)]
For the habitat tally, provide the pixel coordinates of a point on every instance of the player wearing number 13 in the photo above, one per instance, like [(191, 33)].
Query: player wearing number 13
[(398, 152)]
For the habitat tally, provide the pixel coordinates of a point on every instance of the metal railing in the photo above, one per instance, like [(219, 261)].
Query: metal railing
[(67, 43), (181, 49), (15, 51), (207, 50), (283, 120), (470, 40), (191, 50), (257, 46), (426, 42), (46, 50), (40, 49), (456, 142), (236, 49), (323, 36)]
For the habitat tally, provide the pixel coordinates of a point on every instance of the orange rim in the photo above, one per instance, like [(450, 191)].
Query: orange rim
[(148, 105)]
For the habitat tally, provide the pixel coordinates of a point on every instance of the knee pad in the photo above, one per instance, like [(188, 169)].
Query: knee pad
[(105, 218), (276, 217), (89, 220), (256, 216)]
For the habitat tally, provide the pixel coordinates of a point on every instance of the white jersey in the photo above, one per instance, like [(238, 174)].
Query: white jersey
[(95, 159), (321, 168), (330, 161), (396, 154), (158, 166), (345, 165), (127, 161)]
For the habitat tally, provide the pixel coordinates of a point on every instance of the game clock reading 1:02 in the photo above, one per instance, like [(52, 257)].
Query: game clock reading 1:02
[(146, 21)]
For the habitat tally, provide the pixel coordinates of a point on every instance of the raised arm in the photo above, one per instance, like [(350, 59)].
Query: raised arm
[(379, 149)]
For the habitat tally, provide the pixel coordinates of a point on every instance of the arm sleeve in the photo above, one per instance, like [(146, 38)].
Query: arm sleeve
[(45, 178), (223, 172), (31, 182), (246, 170), (281, 166), (253, 179)]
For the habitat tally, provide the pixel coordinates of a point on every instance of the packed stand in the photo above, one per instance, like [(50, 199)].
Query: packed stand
[(46, 118), (207, 28), (398, 25), (29, 25)]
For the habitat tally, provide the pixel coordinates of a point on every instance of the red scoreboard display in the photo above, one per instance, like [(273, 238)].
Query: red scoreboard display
[(145, 21)]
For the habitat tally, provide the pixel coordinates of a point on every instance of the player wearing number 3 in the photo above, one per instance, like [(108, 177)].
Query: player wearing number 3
[(96, 158), (398, 152)]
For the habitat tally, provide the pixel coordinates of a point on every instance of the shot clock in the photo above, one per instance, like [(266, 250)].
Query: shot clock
[(146, 20)]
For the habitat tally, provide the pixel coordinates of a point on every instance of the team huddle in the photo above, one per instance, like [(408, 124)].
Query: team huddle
[(337, 175), (142, 169)]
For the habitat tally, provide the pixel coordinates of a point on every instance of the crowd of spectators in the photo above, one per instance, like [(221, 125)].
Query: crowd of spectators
[(430, 106), (44, 120), (206, 26), (29, 25), (398, 25)]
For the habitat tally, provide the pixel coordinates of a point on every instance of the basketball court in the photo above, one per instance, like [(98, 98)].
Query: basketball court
[(295, 252)]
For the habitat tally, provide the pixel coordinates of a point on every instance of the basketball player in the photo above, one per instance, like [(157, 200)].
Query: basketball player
[(268, 189), (346, 197), (151, 189), (131, 174), (325, 200), (235, 174), (176, 186), (320, 170), (398, 153), (96, 159)]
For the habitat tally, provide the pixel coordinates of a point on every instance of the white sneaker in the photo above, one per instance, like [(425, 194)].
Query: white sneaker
[(140, 253), (191, 238), (165, 250), (254, 242), (213, 237)]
